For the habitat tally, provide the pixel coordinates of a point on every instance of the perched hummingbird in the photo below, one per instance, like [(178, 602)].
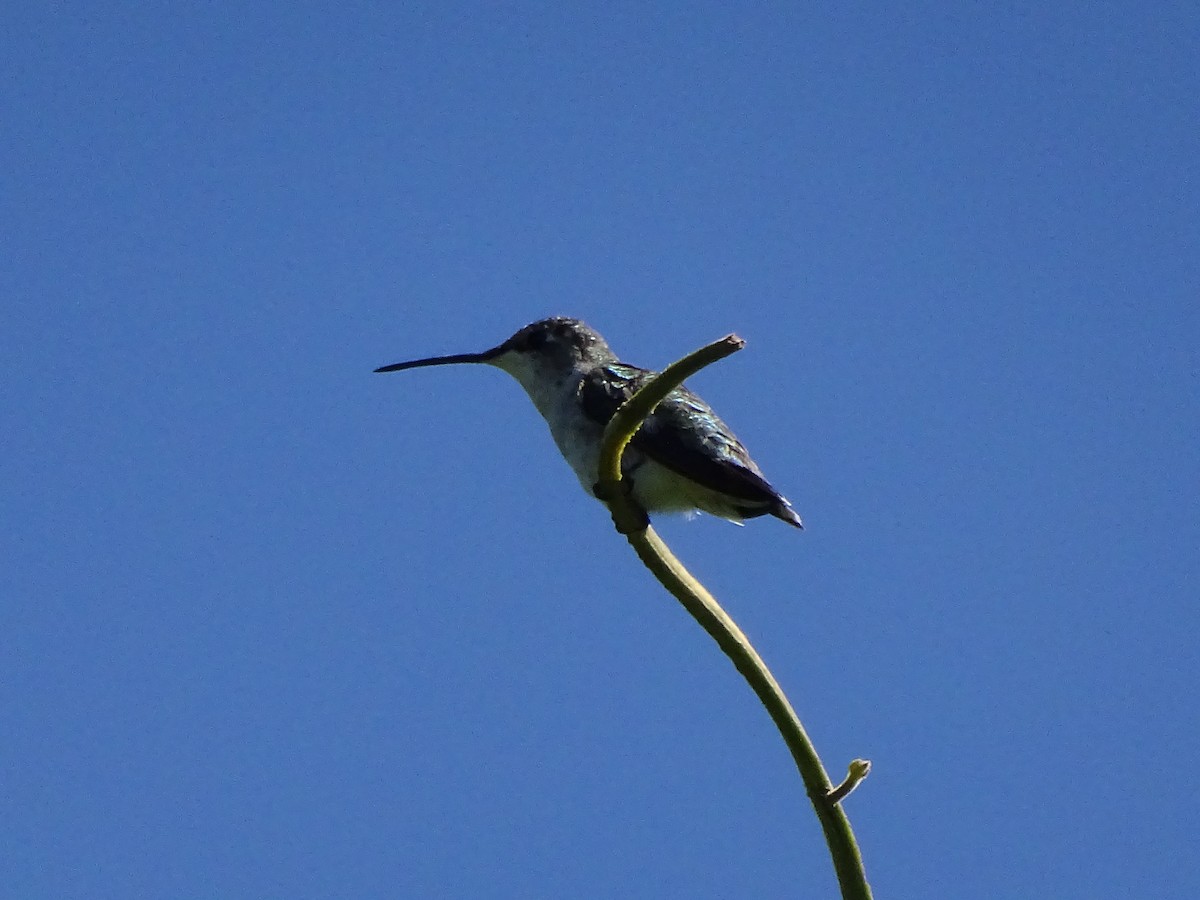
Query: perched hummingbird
[(683, 458)]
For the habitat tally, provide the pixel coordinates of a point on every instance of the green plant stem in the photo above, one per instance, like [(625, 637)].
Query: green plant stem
[(632, 521)]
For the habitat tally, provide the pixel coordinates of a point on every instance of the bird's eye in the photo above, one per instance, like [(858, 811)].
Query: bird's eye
[(534, 340)]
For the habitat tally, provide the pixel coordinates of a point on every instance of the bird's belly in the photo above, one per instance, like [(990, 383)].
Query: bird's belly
[(580, 443), (578, 440), (659, 489), (655, 487)]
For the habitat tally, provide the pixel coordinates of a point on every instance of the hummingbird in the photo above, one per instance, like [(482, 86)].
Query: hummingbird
[(682, 459)]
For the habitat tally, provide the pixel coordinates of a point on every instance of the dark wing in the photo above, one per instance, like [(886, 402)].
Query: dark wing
[(682, 434)]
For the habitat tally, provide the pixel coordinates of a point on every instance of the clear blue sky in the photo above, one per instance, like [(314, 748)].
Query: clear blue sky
[(274, 626)]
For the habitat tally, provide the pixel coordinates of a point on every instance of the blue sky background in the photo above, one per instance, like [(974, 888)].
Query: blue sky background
[(274, 626)]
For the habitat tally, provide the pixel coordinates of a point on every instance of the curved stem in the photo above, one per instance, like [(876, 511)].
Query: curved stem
[(855, 773), (632, 521)]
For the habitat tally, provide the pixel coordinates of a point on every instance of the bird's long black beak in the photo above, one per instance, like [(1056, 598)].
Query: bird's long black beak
[(485, 357)]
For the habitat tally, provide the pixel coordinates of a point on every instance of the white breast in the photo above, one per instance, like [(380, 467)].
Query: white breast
[(556, 397)]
